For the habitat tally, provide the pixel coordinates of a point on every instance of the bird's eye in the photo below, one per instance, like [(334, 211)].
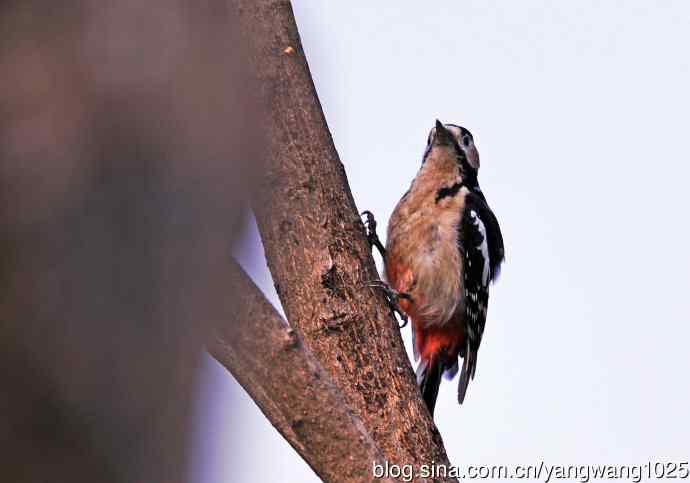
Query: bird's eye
[(466, 140)]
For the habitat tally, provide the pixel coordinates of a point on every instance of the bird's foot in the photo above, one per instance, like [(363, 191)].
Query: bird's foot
[(393, 298), (372, 237)]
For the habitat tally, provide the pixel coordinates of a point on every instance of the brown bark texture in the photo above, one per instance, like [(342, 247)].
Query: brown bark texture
[(317, 251), (284, 379)]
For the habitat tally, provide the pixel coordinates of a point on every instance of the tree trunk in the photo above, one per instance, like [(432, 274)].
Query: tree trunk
[(317, 250), (284, 379), (128, 134)]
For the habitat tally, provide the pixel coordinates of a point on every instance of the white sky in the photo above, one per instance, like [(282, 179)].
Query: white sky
[(579, 111)]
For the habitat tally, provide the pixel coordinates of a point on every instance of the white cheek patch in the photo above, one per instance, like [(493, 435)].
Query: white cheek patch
[(484, 247)]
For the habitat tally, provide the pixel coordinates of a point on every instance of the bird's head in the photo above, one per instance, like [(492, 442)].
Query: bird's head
[(455, 141)]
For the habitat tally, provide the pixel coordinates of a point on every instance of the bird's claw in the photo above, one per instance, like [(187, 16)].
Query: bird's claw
[(392, 297), (372, 237)]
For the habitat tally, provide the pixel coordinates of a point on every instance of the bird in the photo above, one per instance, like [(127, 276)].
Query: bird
[(443, 249)]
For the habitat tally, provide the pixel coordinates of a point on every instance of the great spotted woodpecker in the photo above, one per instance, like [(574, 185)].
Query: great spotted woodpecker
[(443, 249)]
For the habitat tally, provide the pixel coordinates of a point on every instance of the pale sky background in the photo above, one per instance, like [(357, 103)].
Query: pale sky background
[(580, 111)]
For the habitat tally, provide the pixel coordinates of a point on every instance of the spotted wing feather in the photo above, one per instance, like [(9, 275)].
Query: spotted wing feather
[(481, 246)]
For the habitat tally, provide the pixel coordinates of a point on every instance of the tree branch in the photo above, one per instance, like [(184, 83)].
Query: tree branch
[(268, 359), (317, 250)]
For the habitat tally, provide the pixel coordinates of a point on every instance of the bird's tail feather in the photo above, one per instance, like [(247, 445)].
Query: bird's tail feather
[(429, 379), (469, 363)]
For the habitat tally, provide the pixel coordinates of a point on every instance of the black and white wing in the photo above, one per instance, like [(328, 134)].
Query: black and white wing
[(481, 246)]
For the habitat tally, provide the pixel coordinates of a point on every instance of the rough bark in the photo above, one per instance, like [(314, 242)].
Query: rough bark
[(317, 251), (283, 378)]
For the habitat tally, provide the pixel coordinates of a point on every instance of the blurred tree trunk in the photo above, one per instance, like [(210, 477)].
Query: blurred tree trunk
[(128, 135)]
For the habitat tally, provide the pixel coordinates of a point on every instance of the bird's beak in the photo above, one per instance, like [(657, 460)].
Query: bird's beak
[(442, 136)]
